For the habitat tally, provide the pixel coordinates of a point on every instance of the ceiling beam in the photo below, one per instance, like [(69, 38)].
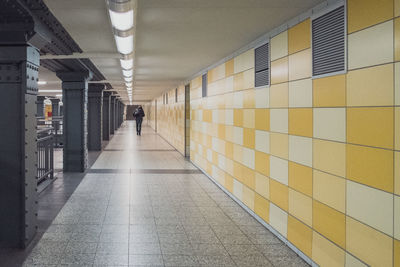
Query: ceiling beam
[(83, 55)]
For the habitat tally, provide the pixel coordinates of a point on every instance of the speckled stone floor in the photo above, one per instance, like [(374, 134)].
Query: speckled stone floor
[(144, 204)]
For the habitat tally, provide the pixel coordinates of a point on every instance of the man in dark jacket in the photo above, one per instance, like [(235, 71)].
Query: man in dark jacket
[(138, 115)]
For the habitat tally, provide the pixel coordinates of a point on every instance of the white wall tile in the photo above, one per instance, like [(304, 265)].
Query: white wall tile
[(330, 123), (262, 141), (249, 157), (300, 93), (237, 189), (244, 61), (279, 170), (279, 120), (370, 206), (262, 97), (371, 46), (229, 116), (278, 219), (238, 135), (279, 46), (238, 99), (300, 150), (397, 217)]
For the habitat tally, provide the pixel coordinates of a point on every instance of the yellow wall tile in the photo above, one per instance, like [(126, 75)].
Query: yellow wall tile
[(280, 70), (279, 45), (330, 190), (301, 178), (229, 150), (249, 118), (299, 37), (238, 117), (300, 206), (370, 126), (397, 39), (301, 121), (261, 207), (279, 145), (396, 252), (397, 172), (262, 185), (248, 137), (370, 206), (229, 68), (262, 163), (300, 235), (221, 131), (370, 166), (262, 119), (300, 65), (362, 86), (279, 194), (325, 253), (364, 13), (397, 128), (329, 157), (396, 8), (330, 223), (279, 95), (330, 91), (216, 73), (238, 81), (364, 242), (371, 46), (207, 115)]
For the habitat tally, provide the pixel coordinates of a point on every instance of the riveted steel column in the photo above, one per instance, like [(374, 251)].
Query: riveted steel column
[(75, 89), (112, 114), (19, 67), (55, 106), (95, 104), (39, 104), (106, 115)]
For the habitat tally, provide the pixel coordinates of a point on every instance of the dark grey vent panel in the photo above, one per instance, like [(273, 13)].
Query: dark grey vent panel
[(262, 65), (262, 78), (176, 95), (204, 85), (328, 42)]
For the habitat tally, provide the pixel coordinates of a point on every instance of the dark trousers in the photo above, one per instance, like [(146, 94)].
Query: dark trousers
[(139, 125)]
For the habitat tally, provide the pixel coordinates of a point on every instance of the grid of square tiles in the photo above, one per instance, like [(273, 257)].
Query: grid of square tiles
[(156, 220), (317, 159), (150, 109), (171, 119)]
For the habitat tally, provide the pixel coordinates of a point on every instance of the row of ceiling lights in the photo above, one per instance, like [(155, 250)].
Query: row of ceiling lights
[(122, 19)]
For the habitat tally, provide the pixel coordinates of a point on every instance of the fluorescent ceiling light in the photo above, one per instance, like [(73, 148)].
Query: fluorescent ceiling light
[(126, 63), (127, 73), (42, 82), (50, 91), (128, 84), (122, 20), (124, 44), (58, 95), (128, 79)]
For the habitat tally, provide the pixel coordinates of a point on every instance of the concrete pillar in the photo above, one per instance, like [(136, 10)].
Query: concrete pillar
[(116, 114), (39, 106), (95, 114), (75, 90), (55, 106), (106, 115), (19, 67), (112, 114)]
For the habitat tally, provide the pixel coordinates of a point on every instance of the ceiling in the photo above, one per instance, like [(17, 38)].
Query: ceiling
[(174, 38)]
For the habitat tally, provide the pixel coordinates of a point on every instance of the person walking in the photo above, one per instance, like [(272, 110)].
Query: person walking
[(138, 115)]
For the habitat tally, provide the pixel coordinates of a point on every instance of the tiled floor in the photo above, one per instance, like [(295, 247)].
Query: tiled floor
[(143, 204)]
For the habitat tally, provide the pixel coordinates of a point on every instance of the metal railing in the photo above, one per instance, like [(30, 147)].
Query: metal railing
[(57, 124), (45, 154)]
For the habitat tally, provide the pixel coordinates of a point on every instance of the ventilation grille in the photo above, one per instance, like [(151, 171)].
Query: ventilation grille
[(176, 95), (262, 65), (204, 85), (328, 42)]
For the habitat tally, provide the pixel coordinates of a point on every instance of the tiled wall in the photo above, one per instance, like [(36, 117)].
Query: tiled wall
[(316, 159), (150, 111), (171, 119)]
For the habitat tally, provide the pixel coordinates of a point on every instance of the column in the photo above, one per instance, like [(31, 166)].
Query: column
[(55, 106), (112, 114), (39, 106), (75, 89), (19, 67), (106, 115), (116, 114), (95, 104)]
